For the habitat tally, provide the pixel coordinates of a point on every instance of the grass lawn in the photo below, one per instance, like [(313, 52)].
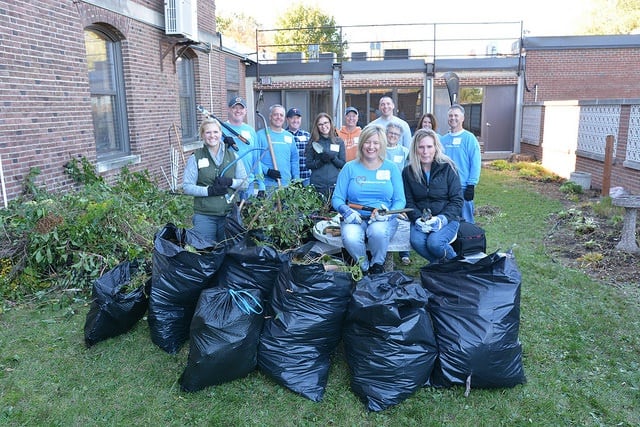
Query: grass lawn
[(580, 339)]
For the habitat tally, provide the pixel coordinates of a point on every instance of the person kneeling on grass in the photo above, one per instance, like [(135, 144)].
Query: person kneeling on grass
[(432, 189)]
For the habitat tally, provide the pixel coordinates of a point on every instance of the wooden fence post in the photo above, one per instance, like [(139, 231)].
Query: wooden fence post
[(608, 162)]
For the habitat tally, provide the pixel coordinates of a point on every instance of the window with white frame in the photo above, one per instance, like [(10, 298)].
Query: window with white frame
[(186, 78)]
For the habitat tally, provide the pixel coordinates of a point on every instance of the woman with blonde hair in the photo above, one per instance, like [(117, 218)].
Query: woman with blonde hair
[(432, 189), (370, 181)]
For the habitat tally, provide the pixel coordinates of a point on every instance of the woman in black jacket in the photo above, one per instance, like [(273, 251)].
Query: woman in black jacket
[(432, 189), (325, 154)]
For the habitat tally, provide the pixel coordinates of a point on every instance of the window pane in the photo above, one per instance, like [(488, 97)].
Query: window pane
[(104, 123), (187, 98), (100, 63)]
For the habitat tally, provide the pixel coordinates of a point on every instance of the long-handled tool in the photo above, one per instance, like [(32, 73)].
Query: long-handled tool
[(269, 143), (223, 124)]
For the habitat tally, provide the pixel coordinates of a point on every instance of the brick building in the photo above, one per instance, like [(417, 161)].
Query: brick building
[(104, 80)]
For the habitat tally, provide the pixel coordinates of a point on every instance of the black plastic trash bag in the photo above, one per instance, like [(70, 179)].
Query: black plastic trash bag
[(251, 266), (388, 339), (224, 337), (113, 310), (475, 308), (296, 343), (178, 276)]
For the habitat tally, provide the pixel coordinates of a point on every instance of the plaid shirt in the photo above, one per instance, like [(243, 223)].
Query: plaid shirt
[(302, 137)]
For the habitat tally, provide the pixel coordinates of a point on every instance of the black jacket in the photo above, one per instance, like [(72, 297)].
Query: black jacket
[(443, 193)]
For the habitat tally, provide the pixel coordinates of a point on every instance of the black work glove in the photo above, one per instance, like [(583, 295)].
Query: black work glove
[(469, 192), (223, 181), (216, 190), (230, 142), (327, 157), (274, 174), (261, 194)]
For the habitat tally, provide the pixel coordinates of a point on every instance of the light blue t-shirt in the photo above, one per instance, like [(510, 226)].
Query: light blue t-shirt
[(358, 184)]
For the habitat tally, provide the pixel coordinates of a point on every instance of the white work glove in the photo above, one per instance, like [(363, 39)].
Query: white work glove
[(434, 224), (379, 215), (349, 215), (437, 222)]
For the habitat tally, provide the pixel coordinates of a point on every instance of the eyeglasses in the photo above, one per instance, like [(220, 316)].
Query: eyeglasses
[(394, 134), (324, 124)]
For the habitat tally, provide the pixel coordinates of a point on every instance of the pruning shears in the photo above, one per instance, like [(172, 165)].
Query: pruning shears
[(380, 211)]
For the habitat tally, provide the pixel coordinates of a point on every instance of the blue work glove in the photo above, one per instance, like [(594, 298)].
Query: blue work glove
[(349, 215), (380, 215)]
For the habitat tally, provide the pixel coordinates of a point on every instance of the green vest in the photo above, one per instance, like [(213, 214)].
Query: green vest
[(213, 205)]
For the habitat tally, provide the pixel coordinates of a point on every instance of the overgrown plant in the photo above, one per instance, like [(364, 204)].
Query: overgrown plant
[(62, 241), (287, 215)]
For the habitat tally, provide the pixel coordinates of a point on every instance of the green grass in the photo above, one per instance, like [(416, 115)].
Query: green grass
[(580, 346)]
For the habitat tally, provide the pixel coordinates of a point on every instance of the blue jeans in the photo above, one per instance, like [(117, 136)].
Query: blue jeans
[(378, 234), (434, 246), (210, 227), (467, 211)]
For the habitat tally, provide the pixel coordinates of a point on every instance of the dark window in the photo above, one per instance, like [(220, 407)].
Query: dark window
[(106, 84), (187, 98)]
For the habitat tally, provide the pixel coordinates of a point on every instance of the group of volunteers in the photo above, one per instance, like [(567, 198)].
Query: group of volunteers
[(366, 174)]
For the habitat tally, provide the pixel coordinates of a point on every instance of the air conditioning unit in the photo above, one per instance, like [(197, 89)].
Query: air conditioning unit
[(181, 18)]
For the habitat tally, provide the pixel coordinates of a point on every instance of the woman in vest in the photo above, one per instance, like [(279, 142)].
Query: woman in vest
[(212, 175)]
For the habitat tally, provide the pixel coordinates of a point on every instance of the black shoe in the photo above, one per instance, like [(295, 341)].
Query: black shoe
[(376, 269)]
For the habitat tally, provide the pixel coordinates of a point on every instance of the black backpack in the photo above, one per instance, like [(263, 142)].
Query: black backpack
[(471, 239)]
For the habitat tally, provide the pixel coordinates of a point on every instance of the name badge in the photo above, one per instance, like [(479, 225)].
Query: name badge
[(302, 138), (288, 139), (398, 159), (246, 135), (203, 163), (335, 147), (456, 141), (383, 175)]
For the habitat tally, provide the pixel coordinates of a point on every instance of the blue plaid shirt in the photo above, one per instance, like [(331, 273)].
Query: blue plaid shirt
[(302, 137)]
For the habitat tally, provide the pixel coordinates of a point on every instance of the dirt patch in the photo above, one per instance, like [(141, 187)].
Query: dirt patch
[(582, 239)]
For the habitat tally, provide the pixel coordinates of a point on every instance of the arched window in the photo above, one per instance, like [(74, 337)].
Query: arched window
[(106, 84)]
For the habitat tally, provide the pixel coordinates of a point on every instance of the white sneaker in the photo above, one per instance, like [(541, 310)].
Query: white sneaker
[(406, 260)]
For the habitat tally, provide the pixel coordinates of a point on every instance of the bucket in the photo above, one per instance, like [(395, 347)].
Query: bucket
[(583, 179)]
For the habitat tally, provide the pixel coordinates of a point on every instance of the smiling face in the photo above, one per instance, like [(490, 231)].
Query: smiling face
[(276, 118), (386, 106), (455, 119), (351, 119), (237, 114), (294, 122), (211, 134)]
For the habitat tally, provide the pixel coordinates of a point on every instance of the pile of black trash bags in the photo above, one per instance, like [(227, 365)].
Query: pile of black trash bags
[(248, 306)]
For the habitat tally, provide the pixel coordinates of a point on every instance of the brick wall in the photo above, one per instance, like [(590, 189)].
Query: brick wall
[(568, 74), (45, 108)]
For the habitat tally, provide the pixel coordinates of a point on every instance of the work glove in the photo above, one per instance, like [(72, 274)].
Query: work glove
[(349, 215), (380, 215), (421, 224), (223, 181), (274, 174), (469, 192), (261, 194), (216, 190), (437, 222), (230, 142), (326, 157)]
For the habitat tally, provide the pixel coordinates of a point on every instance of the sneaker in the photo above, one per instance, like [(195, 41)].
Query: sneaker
[(376, 269), (406, 260)]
